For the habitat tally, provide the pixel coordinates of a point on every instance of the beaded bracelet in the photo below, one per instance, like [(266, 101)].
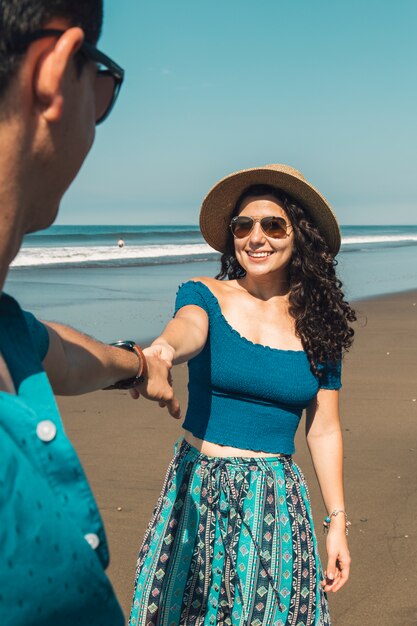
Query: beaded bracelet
[(328, 519)]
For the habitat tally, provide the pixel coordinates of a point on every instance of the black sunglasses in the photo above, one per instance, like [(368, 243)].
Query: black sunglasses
[(274, 227), (109, 74)]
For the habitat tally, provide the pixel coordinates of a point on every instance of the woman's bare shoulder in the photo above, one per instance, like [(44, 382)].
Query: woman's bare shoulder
[(219, 286), (208, 281), (221, 289)]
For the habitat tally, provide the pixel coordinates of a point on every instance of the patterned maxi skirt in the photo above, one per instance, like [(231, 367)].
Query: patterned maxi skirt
[(231, 542)]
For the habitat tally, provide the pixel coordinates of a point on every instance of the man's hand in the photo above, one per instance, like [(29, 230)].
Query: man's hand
[(158, 385)]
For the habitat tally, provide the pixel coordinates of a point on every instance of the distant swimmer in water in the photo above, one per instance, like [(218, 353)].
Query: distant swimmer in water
[(121, 243)]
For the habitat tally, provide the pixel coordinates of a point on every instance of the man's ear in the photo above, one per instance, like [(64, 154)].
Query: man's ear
[(51, 66)]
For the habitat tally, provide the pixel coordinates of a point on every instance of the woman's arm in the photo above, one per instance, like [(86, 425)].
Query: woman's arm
[(183, 337), (324, 439)]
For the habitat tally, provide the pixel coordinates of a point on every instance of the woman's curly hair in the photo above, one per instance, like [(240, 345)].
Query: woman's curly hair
[(316, 300)]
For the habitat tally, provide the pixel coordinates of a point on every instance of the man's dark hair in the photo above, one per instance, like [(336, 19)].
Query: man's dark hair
[(19, 18)]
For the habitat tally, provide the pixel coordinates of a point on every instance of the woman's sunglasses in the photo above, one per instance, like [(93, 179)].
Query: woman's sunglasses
[(109, 75), (274, 227)]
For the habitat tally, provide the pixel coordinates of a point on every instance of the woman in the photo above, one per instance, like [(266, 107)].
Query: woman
[(231, 540)]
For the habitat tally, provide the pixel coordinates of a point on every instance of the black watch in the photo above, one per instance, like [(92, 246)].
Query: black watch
[(129, 383)]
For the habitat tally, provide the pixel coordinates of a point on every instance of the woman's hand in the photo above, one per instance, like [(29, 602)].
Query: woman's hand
[(338, 561), (161, 349), (158, 385)]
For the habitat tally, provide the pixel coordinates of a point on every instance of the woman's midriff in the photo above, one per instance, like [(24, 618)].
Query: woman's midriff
[(214, 449)]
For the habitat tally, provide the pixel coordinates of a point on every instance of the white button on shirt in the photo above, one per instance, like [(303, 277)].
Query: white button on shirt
[(93, 540), (46, 430)]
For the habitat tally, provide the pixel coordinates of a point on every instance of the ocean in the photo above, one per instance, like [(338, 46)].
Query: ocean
[(120, 281)]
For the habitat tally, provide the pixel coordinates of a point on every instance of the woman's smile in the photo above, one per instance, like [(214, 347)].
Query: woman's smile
[(258, 250), (258, 256)]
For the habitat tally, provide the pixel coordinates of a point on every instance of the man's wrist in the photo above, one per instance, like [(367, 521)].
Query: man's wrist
[(142, 370)]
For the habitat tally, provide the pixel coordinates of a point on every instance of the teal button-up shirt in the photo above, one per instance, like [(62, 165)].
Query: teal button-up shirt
[(53, 549)]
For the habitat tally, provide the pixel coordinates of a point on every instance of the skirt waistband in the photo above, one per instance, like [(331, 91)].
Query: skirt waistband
[(186, 448)]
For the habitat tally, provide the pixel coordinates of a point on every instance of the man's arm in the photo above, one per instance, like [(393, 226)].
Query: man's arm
[(77, 364)]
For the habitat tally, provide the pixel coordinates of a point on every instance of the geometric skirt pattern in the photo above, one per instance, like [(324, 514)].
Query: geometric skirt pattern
[(231, 542)]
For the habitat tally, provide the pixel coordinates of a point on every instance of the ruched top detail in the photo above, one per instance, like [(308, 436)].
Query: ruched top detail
[(245, 394)]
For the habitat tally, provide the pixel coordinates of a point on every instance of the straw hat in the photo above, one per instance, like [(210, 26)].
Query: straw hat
[(220, 202)]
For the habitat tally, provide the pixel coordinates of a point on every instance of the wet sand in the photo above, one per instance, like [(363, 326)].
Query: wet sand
[(125, 447)]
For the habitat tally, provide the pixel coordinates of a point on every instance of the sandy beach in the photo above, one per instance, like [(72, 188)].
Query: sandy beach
[(125, 447)]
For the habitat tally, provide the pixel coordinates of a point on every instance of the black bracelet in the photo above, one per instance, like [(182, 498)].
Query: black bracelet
[(130, 383)]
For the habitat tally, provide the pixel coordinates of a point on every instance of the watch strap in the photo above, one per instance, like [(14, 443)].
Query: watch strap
[(130, 383)]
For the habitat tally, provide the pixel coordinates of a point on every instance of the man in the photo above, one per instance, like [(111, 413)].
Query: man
[(53, 548)]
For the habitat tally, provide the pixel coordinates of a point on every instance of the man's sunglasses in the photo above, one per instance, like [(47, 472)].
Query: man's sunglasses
[(274, 227), (109, 74)]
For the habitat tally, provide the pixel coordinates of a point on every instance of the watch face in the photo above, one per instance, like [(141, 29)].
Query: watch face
[(127, 344)]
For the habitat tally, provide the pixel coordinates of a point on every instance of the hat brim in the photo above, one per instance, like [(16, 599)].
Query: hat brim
[(220, 202)]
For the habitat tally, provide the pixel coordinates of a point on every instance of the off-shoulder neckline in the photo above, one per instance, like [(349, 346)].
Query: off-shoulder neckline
[(235, 332)]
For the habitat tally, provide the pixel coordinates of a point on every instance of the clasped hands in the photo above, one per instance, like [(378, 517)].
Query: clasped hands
[(158, 383)]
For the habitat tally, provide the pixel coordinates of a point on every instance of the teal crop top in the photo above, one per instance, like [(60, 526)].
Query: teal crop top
[(244, 394)]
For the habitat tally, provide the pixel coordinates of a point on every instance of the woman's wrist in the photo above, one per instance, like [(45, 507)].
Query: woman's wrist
[(161, 341), (337, 520)]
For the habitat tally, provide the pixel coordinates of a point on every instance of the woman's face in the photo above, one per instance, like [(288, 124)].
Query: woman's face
[(257, 253)]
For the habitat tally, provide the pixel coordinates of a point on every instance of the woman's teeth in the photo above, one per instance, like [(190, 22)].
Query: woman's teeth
[(259, 255)]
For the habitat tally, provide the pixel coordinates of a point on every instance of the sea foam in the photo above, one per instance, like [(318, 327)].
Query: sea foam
[(133, 254)]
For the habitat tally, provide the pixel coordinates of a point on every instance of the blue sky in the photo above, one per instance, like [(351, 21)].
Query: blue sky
[(214, 86)]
